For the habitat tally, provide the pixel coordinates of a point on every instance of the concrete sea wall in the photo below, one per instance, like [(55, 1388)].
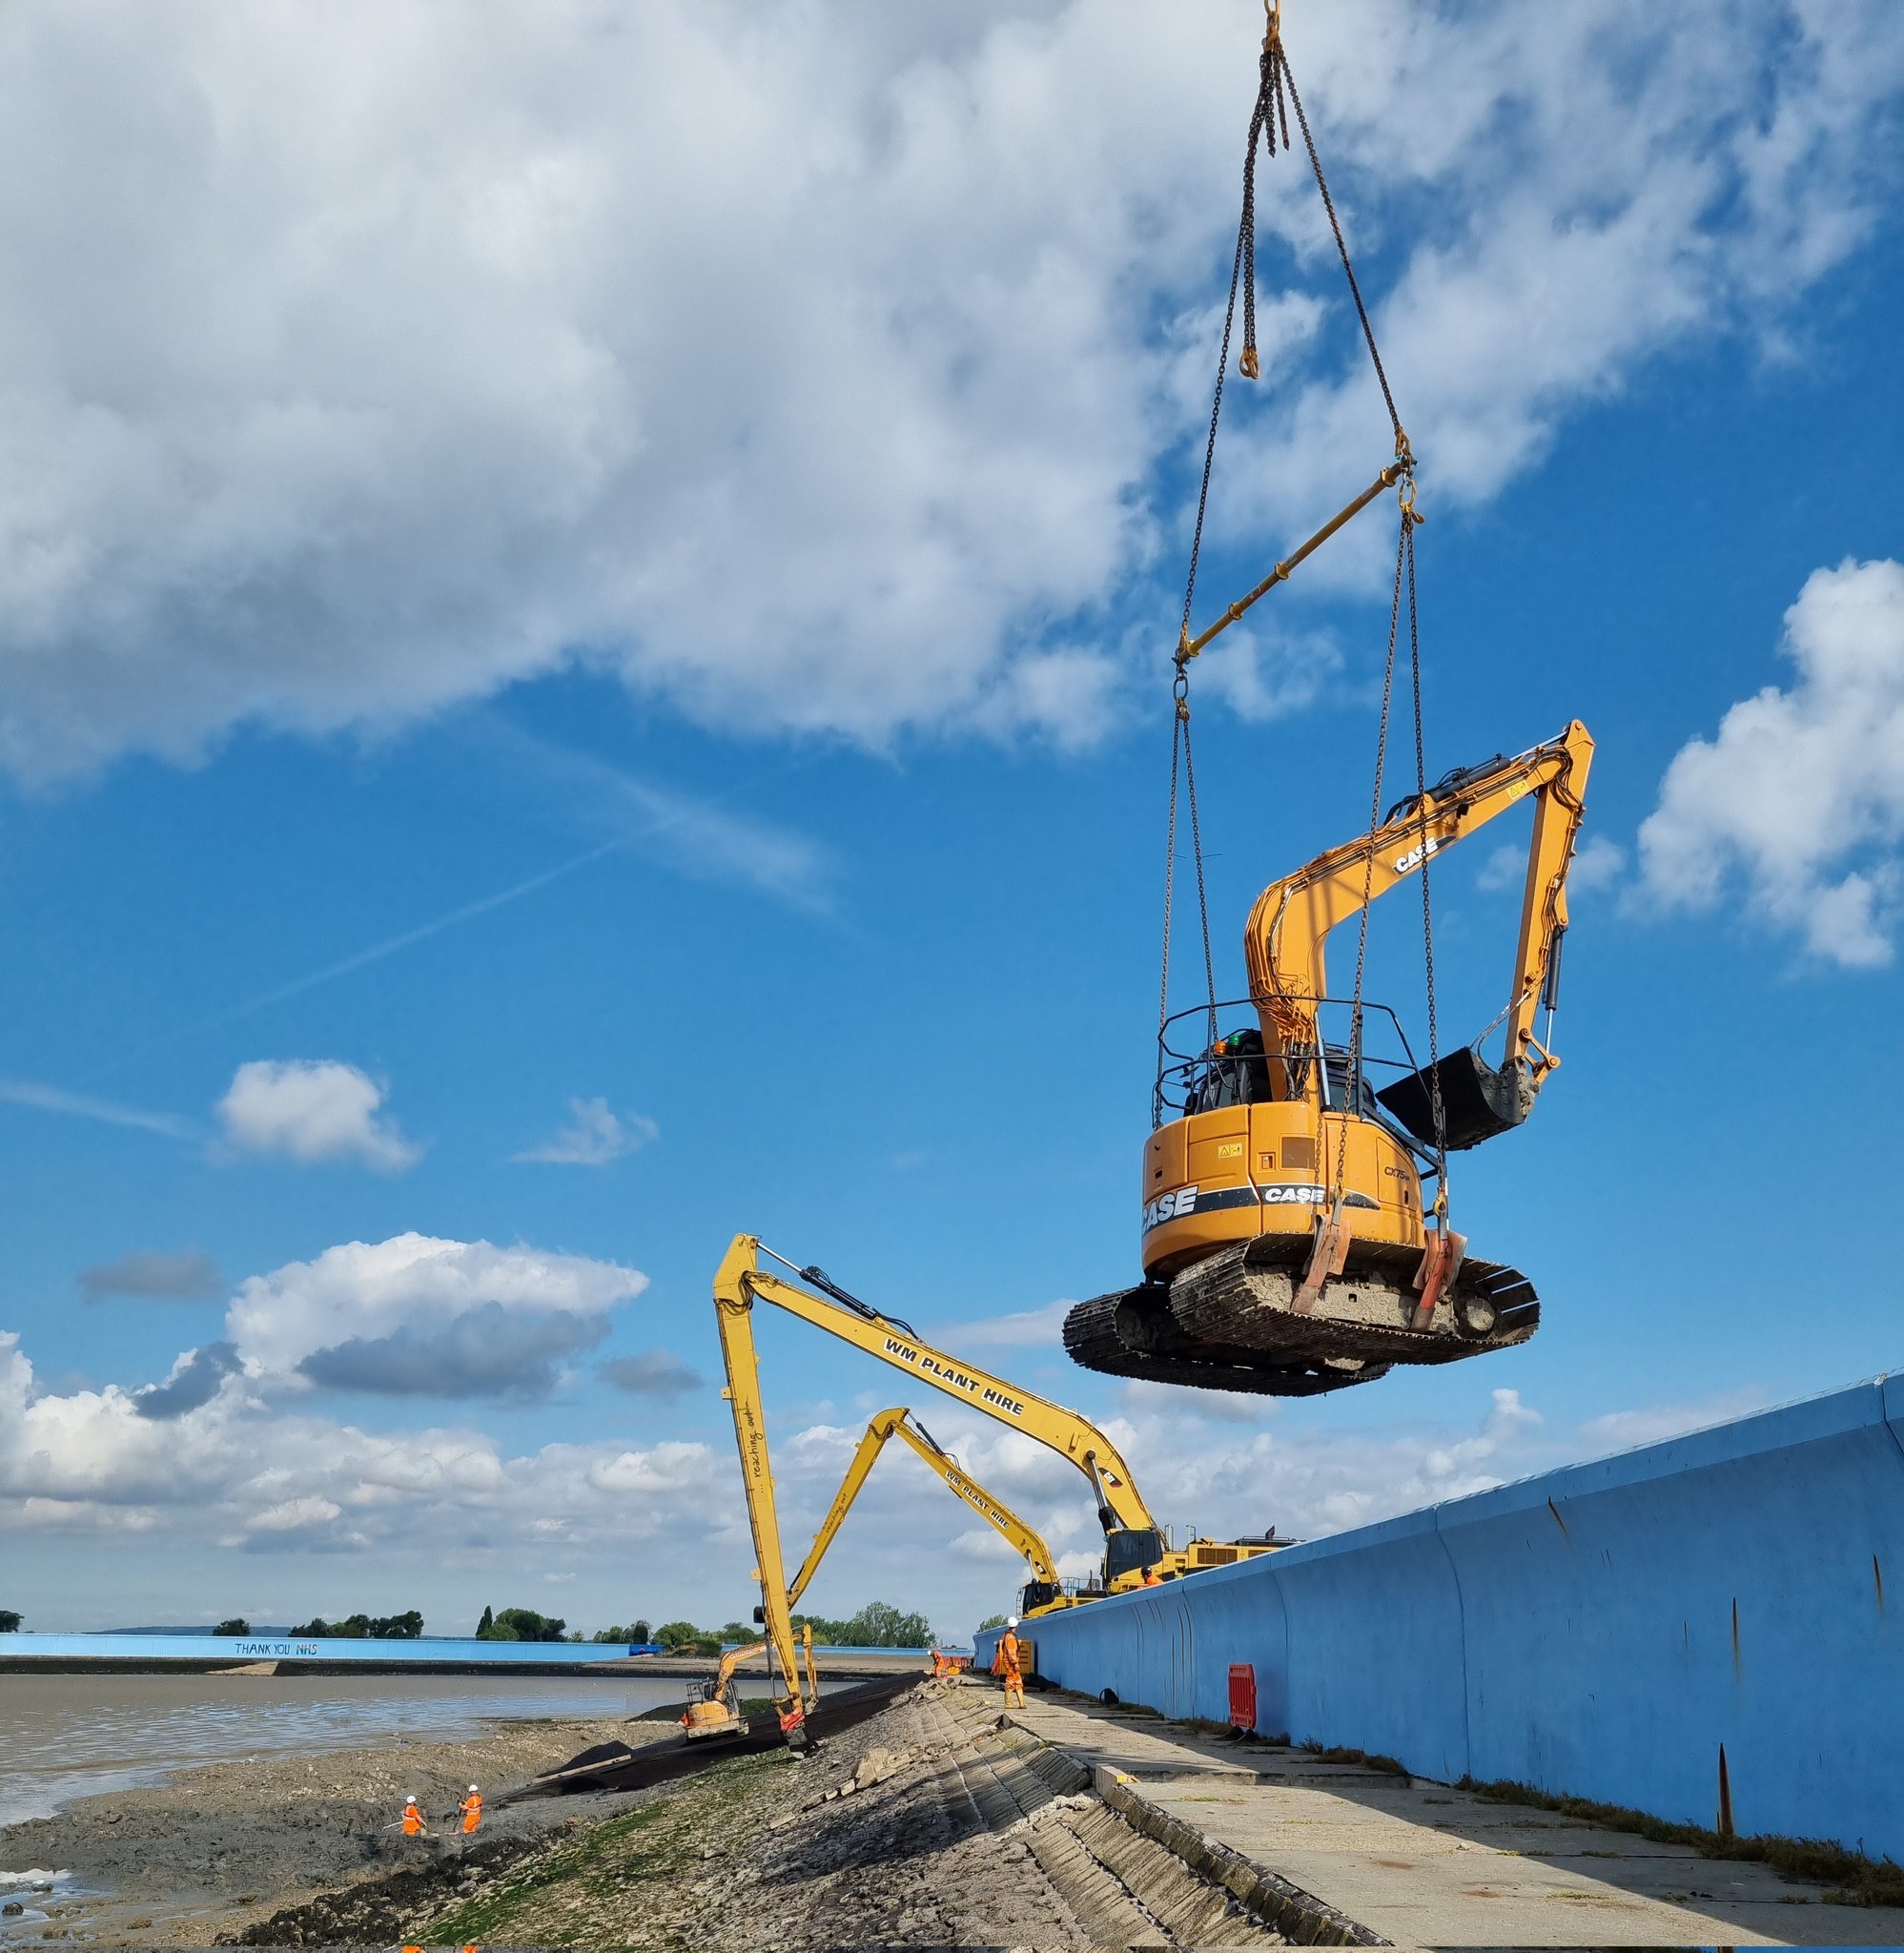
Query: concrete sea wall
[(71, 1651), (1600, 1631), (80, 1651)]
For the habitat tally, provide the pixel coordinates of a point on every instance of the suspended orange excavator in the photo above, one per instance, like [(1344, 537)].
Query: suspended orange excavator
[(1287, 1244)]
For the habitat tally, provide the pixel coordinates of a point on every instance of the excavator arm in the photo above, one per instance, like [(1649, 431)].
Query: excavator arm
[(1287, 936), (897, 1423), (735, 1321), (1131, 1533)]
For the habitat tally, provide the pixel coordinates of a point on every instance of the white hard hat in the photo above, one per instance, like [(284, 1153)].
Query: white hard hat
[(411, 1799), (472, 1790), (1013, 1622)]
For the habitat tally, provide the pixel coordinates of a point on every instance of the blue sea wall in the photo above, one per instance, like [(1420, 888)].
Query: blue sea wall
[(201, 1648), (1599, 1630), (68, 1649)]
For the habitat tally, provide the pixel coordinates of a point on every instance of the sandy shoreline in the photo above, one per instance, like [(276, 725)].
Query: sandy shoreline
[(215, 1848)]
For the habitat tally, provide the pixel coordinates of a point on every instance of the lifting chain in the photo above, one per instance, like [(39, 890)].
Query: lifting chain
[(1181, 759), (1271, 108), (1409, 522), (1339, 1176), (1276, 93)]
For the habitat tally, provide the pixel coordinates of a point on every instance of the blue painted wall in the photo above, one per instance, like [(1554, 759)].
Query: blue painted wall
[(69, 1648), (1599, 1630)]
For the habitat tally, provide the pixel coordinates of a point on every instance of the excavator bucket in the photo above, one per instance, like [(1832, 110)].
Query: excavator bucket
[(1478, 1102)]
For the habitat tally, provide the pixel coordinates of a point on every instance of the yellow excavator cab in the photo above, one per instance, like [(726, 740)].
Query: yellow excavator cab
[(714, 1707)]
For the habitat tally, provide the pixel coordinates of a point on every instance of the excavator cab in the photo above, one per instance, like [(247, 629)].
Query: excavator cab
[(1130, 1550), (1292, 1241), (714, 1706)]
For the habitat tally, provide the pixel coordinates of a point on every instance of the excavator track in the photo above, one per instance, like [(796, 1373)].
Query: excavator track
[(1131, 1333), (1228, 1323)]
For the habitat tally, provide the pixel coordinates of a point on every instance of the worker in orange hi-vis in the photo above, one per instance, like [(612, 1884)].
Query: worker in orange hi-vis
[(1005, 1665), (1152, 1577), (471, 1808), (413, 1818)]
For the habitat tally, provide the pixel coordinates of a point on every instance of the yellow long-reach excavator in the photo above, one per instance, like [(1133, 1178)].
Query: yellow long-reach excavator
[(1286, 1250), (715, 1708), (1134, 1544), (1042, 1590)]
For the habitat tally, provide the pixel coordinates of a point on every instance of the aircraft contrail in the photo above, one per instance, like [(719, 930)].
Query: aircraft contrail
[(392, 944), (82, 1105)]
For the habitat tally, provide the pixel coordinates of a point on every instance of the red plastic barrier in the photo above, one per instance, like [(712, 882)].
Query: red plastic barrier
[(1242, 1694)]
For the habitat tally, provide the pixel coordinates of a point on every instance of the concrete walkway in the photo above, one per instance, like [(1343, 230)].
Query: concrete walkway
[(1422, 1864)]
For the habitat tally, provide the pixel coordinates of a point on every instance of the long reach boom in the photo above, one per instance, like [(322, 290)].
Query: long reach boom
[(1040, 1591), (1133, 1544), (1131, 1538)]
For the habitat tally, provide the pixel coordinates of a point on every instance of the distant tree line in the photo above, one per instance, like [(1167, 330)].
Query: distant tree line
[(358, 1627), (876, 1625), (521, 1624)]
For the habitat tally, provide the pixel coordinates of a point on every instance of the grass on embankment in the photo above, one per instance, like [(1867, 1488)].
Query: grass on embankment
[(582, 1892)]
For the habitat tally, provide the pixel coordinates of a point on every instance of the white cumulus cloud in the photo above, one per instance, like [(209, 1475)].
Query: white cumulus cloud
[(809, 367), (312, 1110), (1794, 811), (237, 1472), (419, 1317)]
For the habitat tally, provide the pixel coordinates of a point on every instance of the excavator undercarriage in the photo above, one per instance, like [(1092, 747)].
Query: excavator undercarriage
[(1229, 1321)]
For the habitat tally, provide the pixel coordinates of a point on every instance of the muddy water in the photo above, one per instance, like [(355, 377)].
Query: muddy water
[(64, 1736)]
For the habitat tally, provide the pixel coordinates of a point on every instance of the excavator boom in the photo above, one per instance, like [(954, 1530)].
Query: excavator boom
[(1133, 1546), (1122, 1510), (735, 1322), (897, 1423), (1287, 939)]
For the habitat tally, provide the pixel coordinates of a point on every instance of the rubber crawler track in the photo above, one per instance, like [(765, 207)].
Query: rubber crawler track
[(1213, 1328)]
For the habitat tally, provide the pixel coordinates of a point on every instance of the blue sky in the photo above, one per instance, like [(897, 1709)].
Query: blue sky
[(572, 689)]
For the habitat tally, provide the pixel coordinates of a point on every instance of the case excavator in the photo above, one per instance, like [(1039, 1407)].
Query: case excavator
[(1288, 1244), (1286, 1238)]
